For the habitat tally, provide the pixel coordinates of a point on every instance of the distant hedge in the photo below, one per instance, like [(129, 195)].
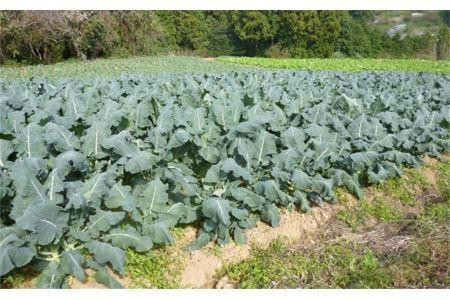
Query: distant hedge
[(50, 36)]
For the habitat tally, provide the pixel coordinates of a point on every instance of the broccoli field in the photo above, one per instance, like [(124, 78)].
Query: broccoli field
[(92, 167)]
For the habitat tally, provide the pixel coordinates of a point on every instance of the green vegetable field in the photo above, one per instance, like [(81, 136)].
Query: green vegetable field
[(98, 158), (344, 64), (117, 67)]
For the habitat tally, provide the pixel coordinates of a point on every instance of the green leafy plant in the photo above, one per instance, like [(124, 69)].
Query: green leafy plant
[(92, 168)]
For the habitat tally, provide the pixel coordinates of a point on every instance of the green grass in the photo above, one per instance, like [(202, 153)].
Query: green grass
[(341, 194), (400, 189), (397, 188), (443, 179), (333, 265), (216, 250), (349, 264), (416, 177), (115, 67), (437, 212), (147, 270), (377, 208), (397, 250), (345, 64)]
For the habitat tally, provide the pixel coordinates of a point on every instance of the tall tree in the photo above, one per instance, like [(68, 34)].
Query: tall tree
[(310, 33), (189, 29), (253, 28)]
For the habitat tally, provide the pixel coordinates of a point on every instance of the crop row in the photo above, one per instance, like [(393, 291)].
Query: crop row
[(91, 168)]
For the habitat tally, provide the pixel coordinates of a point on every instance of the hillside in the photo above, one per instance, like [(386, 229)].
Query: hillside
[(408, 22)]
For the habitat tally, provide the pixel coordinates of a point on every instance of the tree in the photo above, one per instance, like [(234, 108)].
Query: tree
[(443, 43), (328, 32), (310, 33), (186, 29), (222, 39), (254, 28), (50, 36), (355, 38), (361, 15), (445, 16), (40, 36)]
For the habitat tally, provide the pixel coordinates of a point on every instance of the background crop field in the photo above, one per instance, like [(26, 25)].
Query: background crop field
[(115, 67), (344, 64), (177, 64)]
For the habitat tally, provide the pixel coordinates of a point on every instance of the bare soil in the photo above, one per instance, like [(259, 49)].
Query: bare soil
[(200, 266)]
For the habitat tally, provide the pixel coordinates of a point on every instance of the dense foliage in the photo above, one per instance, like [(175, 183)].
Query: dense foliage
[(90, 168), (50, 36)]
